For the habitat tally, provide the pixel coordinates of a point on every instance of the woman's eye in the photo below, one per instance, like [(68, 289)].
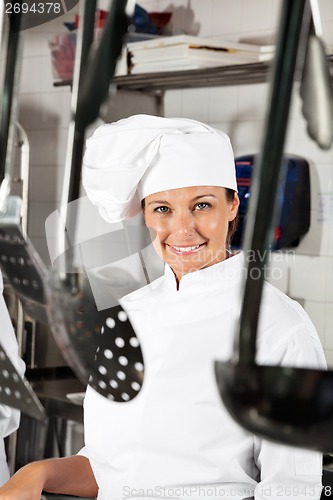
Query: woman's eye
[(202, 205), (161, 210)]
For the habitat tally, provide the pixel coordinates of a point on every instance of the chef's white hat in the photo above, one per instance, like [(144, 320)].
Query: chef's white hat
[(126, 161)]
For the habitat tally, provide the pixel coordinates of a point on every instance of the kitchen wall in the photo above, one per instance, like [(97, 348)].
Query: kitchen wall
[(305, 274)]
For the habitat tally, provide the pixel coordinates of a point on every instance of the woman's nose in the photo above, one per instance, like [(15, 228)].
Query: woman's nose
[(183, 223)]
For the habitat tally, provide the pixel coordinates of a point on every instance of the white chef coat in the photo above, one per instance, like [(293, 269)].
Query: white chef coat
[(175, 439), (9, 417)]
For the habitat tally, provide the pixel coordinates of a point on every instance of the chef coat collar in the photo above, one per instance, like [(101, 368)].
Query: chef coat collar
[(221, 274)]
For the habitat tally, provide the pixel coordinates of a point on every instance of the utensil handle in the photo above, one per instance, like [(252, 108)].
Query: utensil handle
[(93, 73), (266, 178), (9, 104), (91, 86)]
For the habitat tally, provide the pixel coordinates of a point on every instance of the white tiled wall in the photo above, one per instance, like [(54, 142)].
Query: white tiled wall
[(44, 114), (239, 110)]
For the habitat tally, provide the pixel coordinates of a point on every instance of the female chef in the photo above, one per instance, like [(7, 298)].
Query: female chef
[(176, 440)]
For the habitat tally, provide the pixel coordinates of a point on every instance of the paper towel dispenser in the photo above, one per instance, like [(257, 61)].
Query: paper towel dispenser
[(293, 200)]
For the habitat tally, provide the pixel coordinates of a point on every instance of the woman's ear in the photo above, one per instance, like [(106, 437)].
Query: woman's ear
[(143, 206), (234, 207)]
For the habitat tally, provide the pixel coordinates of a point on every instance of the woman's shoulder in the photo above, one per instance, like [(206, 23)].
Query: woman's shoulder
[(286, 334), (281, 308)]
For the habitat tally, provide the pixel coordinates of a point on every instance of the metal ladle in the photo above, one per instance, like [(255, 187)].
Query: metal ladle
[(15, 390), (289, 405), (100, 346)]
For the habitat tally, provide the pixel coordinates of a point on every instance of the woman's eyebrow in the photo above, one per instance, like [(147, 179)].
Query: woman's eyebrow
[(159, 202), (203, 196)]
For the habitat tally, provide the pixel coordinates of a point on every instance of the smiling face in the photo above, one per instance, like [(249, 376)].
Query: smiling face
[(190, 226)]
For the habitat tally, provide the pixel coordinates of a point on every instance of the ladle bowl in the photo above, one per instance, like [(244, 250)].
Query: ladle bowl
[(101, 346), (290, 405)]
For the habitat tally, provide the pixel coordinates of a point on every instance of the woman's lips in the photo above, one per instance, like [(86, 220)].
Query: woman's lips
[(182, 250)]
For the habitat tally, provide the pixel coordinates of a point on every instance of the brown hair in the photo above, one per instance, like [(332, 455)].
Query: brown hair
[(230, 195)]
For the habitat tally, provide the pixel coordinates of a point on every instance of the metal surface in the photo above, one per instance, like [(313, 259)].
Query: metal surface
[(207, 77), (22, 142), (100, 346), (81, 331), (88, 342), (75, 141), (54, 396), (291, 405), (267, 176), (15, 391), (9, 103), (197, 78), (316, 86), (21, 263), (243, 74), (220, 76)]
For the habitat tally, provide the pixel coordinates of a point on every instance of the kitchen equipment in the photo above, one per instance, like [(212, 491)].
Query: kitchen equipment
[(316, 85), (293, 200), (96, 335), (289, 405), (89, 339), (15, 391)]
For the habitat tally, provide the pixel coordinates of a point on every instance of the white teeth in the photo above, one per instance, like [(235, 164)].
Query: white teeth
[(186, 249)]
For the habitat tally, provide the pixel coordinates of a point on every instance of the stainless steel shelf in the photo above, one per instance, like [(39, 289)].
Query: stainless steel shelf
[(206, 77), (242, 74)]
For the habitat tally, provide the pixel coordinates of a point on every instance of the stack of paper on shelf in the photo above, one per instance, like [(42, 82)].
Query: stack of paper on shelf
[(182, 52)]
